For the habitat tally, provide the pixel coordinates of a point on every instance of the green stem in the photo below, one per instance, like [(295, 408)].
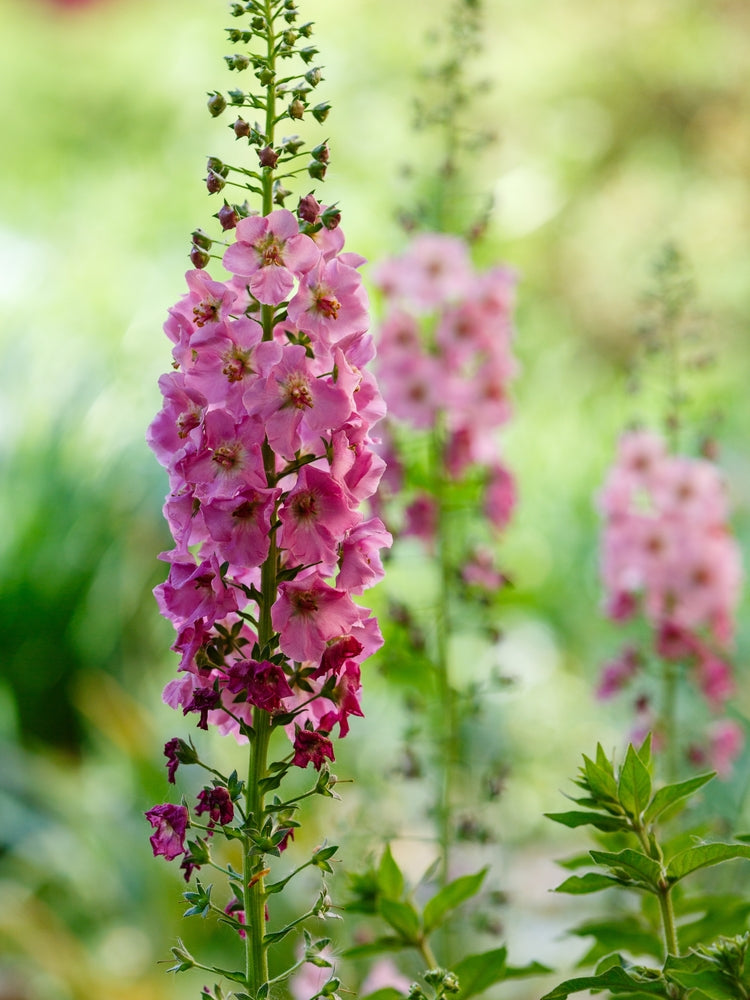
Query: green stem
[(270, 106), (423, 947), (668, 923), (449, 738), (668, 719)]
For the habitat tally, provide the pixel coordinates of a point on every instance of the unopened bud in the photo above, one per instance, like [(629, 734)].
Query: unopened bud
[(314, 76), (290, 37), (237, 10), (241, 128), (238, 61), (216, 104), (214, 182), (331, 217), (280, 193), (227, 216), (309, 208), (316, 170), (215, 164), (308, 53), (265, 76), (292, 144), (321, 153), (320, 111), (201, 239), (296, 108), (268, 157), (258, 23), (305, 30)]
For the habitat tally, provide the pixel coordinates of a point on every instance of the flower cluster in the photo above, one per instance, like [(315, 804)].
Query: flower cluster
[(265, 433), (668, 554), (445, 362)]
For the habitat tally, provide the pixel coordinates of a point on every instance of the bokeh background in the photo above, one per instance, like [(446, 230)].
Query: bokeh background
[(619, 126)]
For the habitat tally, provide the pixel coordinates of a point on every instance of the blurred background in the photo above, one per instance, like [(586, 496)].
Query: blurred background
[(619, 127)]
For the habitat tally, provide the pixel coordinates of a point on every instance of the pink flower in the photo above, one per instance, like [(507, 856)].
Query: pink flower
[(499, 496), (309, 613), (217, 803), (311, 748), (271, 252), (170, 823)]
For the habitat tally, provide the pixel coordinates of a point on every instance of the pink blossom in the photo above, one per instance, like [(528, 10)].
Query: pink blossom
[(271, 252), (170, 823), (217, 804), (311, 748), (308, 614)]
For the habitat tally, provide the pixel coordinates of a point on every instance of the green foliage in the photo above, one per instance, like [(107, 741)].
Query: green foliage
[(623, 807)]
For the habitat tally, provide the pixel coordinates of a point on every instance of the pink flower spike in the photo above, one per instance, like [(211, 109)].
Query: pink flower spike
[(170, 823)]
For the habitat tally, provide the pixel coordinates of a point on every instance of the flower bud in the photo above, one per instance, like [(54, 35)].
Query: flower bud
[(268, 157), (214, 182), (290, 37), (215, 164), (265, 76), (308, 53), (199, 258), (237, 10), (314, 76), (279, 193), (228, 217), (258, 23), (238, 61), (296, 108), (241, 128), (331, 217), (321, 153), (306, 31), (316, 170), (183, 957), (201, 239), (308, 208), (216, 104), (292, 144), (236, 96), (320, 111)]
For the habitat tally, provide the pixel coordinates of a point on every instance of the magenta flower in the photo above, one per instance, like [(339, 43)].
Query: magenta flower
[(217, 803), (170, 823), (308, 614), (311, 748)]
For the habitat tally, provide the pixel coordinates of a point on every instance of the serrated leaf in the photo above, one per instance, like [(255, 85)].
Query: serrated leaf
[(390, 877), (615, 979), (670, 794), (449, 897), (632, 865), (702, 857), (477, 973), (579, 885), (402, 917), (601, 821), (634, 786)]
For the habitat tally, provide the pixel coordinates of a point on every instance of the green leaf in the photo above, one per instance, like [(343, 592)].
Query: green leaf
[(701, 973), (626, 932), (615, 979), (390, 878), (402, 917), (644, 751), (702, 857), (634, 786), (600, 781), (386, 993), (670, 794), (477, 973), (381, 945), (521, 971), (449, 897), (579, 885), (631, 865), (601, 821)]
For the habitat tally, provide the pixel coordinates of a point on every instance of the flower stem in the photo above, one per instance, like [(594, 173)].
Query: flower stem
[(668, 923)]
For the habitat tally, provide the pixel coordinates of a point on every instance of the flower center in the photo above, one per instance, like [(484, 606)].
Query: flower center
[(326, 303), (269, 249), (305, 505), (227, 455), (297, 391), (236, 364), (206, 311)]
